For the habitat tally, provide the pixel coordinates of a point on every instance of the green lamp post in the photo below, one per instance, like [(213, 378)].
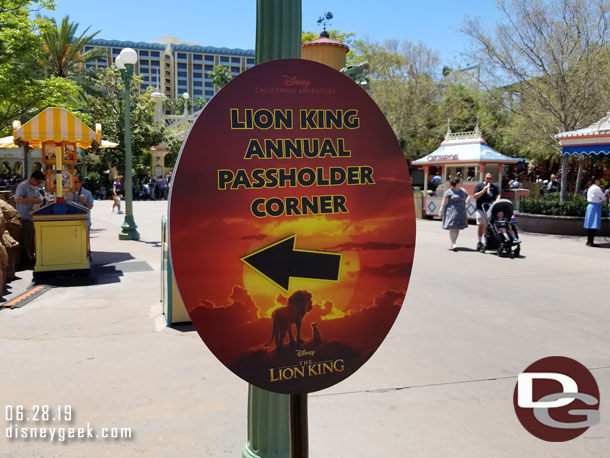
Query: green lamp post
[(125, 62), (278, 36)]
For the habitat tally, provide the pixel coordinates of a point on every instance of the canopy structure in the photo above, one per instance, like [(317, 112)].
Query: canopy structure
[(7, 143), (57, 125), (590, 141), (464, 148), (462, 154)]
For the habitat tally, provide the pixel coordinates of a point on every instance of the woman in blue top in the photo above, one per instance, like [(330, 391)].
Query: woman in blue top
[(453, 210)]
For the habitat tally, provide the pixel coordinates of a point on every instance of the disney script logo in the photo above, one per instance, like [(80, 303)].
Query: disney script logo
[(301, 353), (293, 81)]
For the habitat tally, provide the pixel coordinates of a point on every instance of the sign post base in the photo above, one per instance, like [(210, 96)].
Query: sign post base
[(299, 431), (268, 425)]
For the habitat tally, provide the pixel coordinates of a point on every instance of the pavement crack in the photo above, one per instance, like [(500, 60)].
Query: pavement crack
[(430, 385), (77, 336)]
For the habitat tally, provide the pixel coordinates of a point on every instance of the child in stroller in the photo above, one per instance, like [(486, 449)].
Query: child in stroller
[(505, 227), (502, 234)]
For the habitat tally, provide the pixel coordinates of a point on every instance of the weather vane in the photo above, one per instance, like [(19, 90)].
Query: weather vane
[(325, 19)]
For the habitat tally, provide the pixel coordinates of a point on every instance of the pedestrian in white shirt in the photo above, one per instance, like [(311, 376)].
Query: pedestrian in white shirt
[(593, 216)]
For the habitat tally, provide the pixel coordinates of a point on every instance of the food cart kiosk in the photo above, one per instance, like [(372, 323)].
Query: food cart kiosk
[(61, 240), (463, 154)]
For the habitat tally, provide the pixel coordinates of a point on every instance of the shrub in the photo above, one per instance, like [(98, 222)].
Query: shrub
[(573, 205)]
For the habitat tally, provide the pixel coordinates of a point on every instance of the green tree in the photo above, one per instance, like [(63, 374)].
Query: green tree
[(464, 105), (403, 86), (108, 109), (24, 88), (220, 75), (64, 52), (552, 59)]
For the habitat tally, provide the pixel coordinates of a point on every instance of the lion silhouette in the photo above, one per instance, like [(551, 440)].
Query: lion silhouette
[(299, 303)]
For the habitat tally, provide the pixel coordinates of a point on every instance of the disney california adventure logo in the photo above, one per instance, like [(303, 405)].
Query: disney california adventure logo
[(289, 80)]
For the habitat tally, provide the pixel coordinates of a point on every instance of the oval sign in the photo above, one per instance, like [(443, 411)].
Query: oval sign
[(292, 226)]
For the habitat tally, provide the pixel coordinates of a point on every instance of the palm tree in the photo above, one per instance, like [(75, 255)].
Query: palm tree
[(64, 51), (220, 76)]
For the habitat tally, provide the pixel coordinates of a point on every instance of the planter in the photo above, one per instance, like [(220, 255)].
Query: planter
[(558, 225)]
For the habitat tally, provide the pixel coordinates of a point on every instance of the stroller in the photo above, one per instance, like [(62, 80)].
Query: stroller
[(496, 240)]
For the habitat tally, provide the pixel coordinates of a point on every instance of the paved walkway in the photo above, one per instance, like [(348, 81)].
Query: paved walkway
[(441, 384)]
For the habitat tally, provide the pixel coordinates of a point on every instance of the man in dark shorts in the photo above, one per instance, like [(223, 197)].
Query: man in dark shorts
[(485, 192)]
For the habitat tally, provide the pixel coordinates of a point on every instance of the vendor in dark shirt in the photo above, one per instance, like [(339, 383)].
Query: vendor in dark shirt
[(485, 192)]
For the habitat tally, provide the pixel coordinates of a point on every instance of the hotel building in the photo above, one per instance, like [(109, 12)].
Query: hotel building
[(176, 67)]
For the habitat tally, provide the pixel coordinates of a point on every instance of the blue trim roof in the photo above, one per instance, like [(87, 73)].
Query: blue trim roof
[(175, 47), (467, 152), (126, 44), (213, 50), (586, 150)]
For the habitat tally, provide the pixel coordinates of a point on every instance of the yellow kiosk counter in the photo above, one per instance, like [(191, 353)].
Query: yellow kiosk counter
[(61, 238)]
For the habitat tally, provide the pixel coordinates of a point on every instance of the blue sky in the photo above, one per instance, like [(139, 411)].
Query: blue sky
[(232, 23)]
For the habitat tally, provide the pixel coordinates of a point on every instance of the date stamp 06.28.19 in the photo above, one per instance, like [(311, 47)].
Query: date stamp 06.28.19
[(55, 424)]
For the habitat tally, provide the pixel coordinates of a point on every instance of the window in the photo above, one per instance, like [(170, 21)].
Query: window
[(182, 55), (198, 92), (167, 81), (143, 53), (250, 61), (209, 68), (197, 57), (197, 75), (144, 62), (197, 83), (182, 83), (224, 59), (116, 52), (209, 92), (168, 73), (209, 58), (181, 74), (235, 60), (155, 63), (101, 61), (154, 53), (144, 70), (88, 48), (182, 66), (145, 78), (208, 84), (196, 66), (235, 70), (167, 65)]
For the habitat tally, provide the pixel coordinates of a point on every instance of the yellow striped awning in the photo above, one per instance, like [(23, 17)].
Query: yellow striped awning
[(7, 143), (57, 125)]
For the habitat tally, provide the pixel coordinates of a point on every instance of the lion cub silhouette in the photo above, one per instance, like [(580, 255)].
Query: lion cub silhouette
[(299, 303), (316, 337)]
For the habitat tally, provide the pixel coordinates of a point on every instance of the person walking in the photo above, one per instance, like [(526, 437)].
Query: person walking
[(485, 192), (83, 197), (593, 216), (116, 195), (453, 210), (27, 195)]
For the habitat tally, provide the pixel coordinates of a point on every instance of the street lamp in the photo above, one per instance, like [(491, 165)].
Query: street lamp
[(185, 114), (125, 63)]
